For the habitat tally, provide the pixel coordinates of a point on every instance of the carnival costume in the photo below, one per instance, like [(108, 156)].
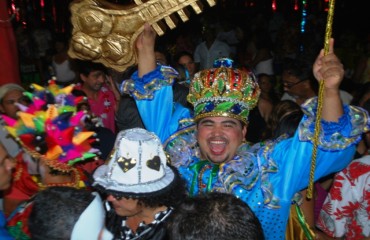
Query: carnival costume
[(52, 131), (266, 177)]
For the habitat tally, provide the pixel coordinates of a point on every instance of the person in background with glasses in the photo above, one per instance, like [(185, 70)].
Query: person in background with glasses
[(299, 83), (7, 163)]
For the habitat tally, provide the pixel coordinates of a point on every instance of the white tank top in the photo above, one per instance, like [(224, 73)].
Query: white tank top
[(63, 72)]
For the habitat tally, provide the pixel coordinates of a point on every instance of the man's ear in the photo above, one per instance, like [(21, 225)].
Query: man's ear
[(83, 77), (245, 130)]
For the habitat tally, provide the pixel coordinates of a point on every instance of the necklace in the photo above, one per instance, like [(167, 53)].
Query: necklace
[(202, 185)]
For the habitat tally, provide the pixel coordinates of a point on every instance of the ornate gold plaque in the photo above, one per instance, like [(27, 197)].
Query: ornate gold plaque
[(105, 32)]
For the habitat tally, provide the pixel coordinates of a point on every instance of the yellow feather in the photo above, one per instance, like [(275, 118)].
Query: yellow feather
[(81, 137), (11, 130), (68, 89), (54, 152), (27, 119), (52, 112), (37, 87)]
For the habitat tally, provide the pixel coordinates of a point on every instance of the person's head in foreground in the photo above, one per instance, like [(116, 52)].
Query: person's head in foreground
[(138, 181), (222, 97), (66, 213), (214, 216)]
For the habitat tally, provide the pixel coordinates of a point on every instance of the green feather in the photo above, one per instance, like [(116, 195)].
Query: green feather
[(220, 85), (192, 98), (235, 95), (199, 108), (247, 90), (39, 124), (244, 113), (224, 106), (208, 94), (28, 94), (197, 87)]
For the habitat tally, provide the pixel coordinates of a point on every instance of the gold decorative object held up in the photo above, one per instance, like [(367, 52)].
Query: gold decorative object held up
[(105, 32), (328, 32)]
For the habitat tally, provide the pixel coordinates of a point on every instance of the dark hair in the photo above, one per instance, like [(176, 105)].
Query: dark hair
[(361, 91), (272, 79), (366, 105), (302, 69), (56, 210), (86, 67), (285, 117), (288, 124), (170, 198), (181, 54), (214, 216)]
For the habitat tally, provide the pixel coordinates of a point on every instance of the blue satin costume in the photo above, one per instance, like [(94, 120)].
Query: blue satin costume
[(265, 177)]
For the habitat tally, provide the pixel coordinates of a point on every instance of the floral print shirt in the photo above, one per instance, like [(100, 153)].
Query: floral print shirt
[(346, 210)]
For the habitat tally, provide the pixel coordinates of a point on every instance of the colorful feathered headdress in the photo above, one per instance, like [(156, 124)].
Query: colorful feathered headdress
[(51, 129)]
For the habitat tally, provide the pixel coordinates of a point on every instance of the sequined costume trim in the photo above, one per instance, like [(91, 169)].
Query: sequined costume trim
[(182, 146), (332, 139), (267, 167), (140, 89)]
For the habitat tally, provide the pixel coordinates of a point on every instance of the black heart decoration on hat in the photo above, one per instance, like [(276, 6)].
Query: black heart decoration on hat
[(126, 163), (154, 163)]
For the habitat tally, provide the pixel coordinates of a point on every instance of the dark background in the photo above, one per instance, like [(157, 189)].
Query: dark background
[(349, 14)]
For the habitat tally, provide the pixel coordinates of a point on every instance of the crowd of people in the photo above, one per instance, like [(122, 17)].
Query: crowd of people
[(210, 139)]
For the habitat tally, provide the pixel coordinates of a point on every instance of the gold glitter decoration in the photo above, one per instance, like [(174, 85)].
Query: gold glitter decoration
[(328, 32), (106, 32)]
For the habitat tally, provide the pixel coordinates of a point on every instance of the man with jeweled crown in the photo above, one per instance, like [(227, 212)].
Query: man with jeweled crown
[(209, 149)]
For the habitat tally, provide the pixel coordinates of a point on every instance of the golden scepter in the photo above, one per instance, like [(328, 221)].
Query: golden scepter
[(328, 32)]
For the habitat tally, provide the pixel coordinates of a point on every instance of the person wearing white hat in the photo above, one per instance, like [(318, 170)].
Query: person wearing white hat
[(142, 189)]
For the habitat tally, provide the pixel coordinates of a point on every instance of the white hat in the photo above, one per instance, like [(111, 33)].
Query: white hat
[(137, 166), (4, 89)]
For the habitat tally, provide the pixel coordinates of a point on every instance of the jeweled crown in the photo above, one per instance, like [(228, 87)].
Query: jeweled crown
[(223, 91)]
